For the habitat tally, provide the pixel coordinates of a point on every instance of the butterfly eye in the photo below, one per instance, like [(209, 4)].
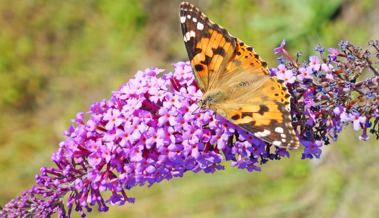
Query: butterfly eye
[(202, 104)]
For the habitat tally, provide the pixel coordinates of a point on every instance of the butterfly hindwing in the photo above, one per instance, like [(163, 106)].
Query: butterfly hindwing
[(265, 116), (225, 66)]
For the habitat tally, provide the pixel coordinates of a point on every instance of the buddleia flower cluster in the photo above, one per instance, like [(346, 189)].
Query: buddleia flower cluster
[(152, 129), (330, 91)]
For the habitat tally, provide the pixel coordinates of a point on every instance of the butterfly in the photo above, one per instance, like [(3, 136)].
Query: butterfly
[(235, 81)]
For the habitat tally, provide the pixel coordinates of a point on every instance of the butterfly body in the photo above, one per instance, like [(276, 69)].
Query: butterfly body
[(235, 81)]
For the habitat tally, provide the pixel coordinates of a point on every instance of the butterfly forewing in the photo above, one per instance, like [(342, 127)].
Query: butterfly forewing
[(209, 46), (252, 99)]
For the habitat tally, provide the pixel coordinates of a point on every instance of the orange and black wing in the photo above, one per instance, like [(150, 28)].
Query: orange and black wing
[(256, 101), (209, 46), (253, 99)]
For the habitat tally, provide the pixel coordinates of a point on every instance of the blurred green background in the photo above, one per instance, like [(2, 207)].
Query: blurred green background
[(57, 57)]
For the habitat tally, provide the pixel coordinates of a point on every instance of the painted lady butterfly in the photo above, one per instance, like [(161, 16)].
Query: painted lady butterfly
[(235, 81)]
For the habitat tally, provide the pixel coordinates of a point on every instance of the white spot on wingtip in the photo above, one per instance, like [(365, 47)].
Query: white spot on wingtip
[(258, 134), (194, 19), (277, 143), (183, 19), (188, 36), (279, 129), (200, 26), (262, 134), (189, 17)]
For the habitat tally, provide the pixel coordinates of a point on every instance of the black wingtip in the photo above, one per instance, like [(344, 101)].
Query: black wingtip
[(184, 4)]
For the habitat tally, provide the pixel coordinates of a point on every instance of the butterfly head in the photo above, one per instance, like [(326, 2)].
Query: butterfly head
[(203, 104), (209, 99)]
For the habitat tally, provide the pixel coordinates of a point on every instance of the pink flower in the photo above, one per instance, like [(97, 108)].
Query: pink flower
[(113, 118), (329, 76), (358, 120), (281, 69), (325, 68), (304, 73), (314, 62), (334, 53), (287, 76)]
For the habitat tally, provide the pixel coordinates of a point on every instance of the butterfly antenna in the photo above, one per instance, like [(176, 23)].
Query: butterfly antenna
[(196, 111)]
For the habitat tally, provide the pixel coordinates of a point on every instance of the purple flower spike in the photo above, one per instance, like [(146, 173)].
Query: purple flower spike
[(327, 95), (149, 130), (152, 129)]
